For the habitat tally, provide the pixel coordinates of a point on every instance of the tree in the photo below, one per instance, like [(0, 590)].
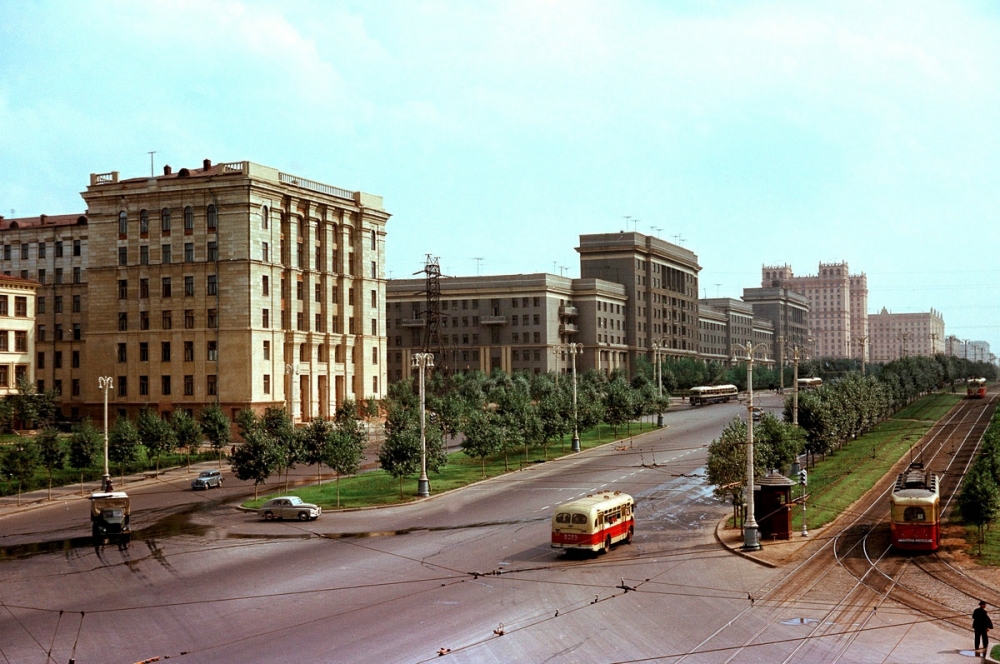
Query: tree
[(84, 447), (727, 463), (156, 434), (51, 452), (217, 428), (123, 444), (979, 501), (288, 447), (256, 457), (315, 439), (19, 462), (482, 437), (619, 403), (187, 432), (399, 453), (346, 448)]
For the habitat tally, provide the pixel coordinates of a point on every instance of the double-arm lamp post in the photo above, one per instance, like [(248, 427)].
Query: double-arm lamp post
[(751, 541), (658, 347), (574, 350), (422, 362), (105, 383)]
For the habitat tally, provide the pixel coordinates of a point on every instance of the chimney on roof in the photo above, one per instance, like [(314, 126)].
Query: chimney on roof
[(207, 163), (43, 218), (166, 169)]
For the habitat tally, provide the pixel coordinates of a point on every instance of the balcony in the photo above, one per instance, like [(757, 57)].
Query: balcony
[(492, 320), (568, 310), (568, 328), (414, 322)]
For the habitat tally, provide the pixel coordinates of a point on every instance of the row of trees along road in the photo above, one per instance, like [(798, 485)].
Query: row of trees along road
[(979, 498), (848, 405)]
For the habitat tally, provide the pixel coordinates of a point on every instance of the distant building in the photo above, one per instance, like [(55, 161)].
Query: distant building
[(838, 306), (515, 322), (899, 335), (661, 290), (788, 313), (713, 335), (17, 332), (741, 328)]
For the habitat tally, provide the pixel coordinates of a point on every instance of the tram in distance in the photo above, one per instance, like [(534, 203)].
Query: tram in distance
[(976, 388), (594, 523), (699, 396), (915, 510), (810, 383)]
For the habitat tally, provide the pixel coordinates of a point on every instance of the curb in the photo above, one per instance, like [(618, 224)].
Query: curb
[(737, 551)]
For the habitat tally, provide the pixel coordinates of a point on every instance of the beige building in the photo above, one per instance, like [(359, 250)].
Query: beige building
[(713, 335), (17, 332), (519, 322), (838, 307), (899, 335), (661, 287), (232, 283), (741, 328)]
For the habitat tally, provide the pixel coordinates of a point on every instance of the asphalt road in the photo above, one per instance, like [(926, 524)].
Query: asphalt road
[(470, 571)]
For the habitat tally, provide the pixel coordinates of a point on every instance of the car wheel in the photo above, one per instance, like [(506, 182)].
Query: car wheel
[(303, 516), (269, 516)]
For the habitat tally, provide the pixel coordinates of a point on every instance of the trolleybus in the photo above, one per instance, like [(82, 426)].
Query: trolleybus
[(915, 510), (976, 388), (810, 383), (700, 396), (594, 523)]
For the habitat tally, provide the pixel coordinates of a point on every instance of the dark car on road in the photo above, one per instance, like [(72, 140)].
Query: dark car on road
[(207, 479)]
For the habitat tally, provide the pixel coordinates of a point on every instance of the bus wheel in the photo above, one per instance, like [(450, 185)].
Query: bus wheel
[(628, 538), (607, 545)]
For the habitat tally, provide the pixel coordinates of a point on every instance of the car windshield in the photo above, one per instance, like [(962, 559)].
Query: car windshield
[(205, 473), (295, 500)]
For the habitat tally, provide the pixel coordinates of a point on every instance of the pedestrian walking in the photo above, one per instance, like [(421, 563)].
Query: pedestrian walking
[(981, 625)]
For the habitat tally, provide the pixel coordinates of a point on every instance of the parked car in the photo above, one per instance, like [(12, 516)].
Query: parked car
[(289, 507), (207, 479)]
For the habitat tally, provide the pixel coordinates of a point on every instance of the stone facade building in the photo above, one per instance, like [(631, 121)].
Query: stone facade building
[(17, 333), (741, 327), (788, 313), (232, 283), (899, 335), (519, 322)]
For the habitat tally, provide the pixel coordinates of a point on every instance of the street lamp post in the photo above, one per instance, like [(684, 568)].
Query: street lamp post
[(795, 386), (781, 364), (657, 349), (105, 383), (574, 350), (751, 542), (422, 362)]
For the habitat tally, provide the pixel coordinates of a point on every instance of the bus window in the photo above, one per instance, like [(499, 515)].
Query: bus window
[(562, 517), (580, 519), (914, 514)]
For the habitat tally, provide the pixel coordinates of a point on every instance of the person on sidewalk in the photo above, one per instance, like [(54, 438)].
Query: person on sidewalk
[(981, 625)]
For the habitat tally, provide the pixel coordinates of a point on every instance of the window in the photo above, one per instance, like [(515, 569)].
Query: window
[(144, 288), (317, 293), (164, 351), (77, 248), (165, 287), (267, 350), (188, 319), (212, 384), (300, 256), (267, 383), (20, 307), (318, 323), (75, 359), (165, 220), (189, 252), (77, 275), (20, 341), (164, 385), (375, 384), (3, 305), (4, 375), (144, 254), (212, 218), (374, 327), (264, 252), (77, 332), (189, 351), (123, 289), (375, 299), (40, 361), (265, 285), (266, 318), (122, 352), (188, 385), (6, 252), (143, 222), (57, 359), (59, 274), (303, 353), (41, 333), (373, 240), (122, 386), (213, 251), (143, 386), (374, 272), (300, 321), (188, 219), (167, 319), (41, 250), (213, 285), (188, 286), (143, 320), (143, 351), (41, 275), (122, 321), (212, 318), (24, 252), (298, 289), (263, 217), (375, 355), (77, 305), (165, 254), (213, 351), (123, 255)]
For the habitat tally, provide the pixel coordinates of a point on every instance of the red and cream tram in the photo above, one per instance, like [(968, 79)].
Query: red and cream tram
[(915, 510), (976, 388), (594, 523)]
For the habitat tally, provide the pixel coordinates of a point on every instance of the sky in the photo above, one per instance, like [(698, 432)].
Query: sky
[(497, 132)]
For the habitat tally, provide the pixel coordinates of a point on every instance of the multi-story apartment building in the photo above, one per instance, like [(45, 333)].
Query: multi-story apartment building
[(52, 251), (741, 328), (661, 287), (17, 332), (519, 322), (788, 313), (898, 335), (232, 283), (713, 335), (838, 306)]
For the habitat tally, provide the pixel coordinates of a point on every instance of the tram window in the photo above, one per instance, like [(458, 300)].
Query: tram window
[(580, 518), (914, 514), (562, 517)]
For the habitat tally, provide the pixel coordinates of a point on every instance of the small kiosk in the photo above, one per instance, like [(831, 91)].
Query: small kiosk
[(773, 506)]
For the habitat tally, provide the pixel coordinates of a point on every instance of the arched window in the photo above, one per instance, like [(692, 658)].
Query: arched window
[(263, 217), (188, 218), (123, 223), (165, 220), (213, 217), (143, 222)]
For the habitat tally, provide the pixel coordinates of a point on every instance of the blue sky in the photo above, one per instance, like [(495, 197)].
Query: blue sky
[(751, 133)]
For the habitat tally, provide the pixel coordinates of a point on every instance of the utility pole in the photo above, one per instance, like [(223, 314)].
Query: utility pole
[(862, 342), (781, 364), (105, 383), (751, 541)]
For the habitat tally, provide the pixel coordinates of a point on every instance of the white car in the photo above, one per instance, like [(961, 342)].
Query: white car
[(289, 507)]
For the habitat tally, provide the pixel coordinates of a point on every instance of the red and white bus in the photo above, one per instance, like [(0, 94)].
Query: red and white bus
[(594, 523), (705, 394)]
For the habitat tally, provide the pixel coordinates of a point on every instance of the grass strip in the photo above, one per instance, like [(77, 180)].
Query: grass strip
[(379, 488)]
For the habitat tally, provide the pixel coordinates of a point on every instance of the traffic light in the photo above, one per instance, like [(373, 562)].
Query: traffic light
[(803, 478)]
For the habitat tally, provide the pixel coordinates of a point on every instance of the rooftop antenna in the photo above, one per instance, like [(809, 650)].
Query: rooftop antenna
[(677, 238), (628, 220), (717, 290), (152, 173), (635, 225), (479, 261), (562, 269), (656, 230)]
